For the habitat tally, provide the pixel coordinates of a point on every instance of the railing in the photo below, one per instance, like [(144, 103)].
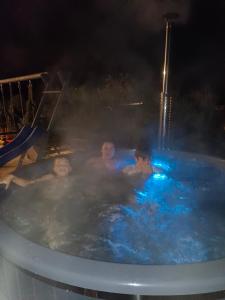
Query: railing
[(24, 78)]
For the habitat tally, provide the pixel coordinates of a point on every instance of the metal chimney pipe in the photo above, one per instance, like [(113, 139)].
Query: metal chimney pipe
[(164, 97)]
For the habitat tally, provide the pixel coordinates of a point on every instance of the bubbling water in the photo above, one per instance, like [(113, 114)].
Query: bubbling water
[(173, 217)]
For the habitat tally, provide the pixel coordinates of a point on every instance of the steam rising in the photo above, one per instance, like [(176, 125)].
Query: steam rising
[(90, 215), (114, 110), (148, 14)]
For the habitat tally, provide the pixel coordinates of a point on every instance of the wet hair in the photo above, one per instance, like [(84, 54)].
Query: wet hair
[(141, 154), (108, 142)]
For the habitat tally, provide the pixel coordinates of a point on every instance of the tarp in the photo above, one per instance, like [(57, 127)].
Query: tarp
[(21, 144), (20, 137)]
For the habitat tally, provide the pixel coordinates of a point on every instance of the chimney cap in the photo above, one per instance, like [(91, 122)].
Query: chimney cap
[(171, 16)]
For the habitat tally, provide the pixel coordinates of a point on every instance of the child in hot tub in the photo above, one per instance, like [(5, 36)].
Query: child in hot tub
[(142, 166), (107, 160), (138, 173), (61, 169)]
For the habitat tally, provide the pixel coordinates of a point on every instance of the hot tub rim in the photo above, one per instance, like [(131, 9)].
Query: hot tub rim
[(110, 277)]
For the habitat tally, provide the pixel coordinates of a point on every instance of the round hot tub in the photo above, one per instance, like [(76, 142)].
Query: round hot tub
[(116, 237)]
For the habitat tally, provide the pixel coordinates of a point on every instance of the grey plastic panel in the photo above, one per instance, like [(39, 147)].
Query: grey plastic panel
[(110, 277), (18, 284)]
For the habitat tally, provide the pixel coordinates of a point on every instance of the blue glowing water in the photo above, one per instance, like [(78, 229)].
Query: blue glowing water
[(175, 216), (148, 233), (169, 223)]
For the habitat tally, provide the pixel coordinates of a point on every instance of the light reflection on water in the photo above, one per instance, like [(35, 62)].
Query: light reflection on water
[(172, 220)]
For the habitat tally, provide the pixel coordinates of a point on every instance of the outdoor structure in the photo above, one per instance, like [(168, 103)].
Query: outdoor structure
[(25, 119)]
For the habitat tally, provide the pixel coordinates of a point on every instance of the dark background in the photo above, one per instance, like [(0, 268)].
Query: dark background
[(96, 38)]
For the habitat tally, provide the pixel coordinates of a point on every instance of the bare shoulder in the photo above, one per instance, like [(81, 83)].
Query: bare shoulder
[(129, 169)]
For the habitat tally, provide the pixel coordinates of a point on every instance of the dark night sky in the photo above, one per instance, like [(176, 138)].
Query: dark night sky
[(96, 37)]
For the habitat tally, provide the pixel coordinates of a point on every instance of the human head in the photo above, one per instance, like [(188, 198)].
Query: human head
[(61, 167), (142, 157), (108, 150)]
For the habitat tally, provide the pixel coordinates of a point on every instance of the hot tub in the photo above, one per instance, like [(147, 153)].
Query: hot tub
[(187, 198)]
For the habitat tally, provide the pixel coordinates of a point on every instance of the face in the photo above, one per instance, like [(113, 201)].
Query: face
[(62, 167), (108, 150), (143, 161)]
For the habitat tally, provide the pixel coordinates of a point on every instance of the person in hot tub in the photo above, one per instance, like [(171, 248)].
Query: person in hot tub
[(61, 169), (105, 162), (142, 165), (137, 174)]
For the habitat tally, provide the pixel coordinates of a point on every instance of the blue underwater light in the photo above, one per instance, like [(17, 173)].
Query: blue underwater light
[(161, 165), (159, 176), (163, 204)]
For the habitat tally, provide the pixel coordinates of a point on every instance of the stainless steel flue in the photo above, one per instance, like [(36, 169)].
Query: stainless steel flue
[(164, 97)]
